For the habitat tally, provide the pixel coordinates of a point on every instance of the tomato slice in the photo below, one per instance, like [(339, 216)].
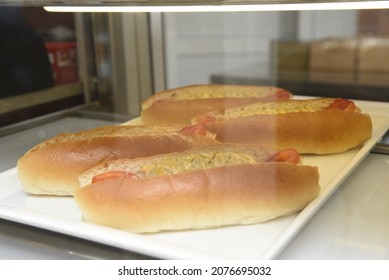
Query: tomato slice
[(342, 104), (279, 95), (288, 155), (112, 174), (203, 119), (196, 129)]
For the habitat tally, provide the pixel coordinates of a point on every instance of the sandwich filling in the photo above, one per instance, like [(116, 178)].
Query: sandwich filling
[(224, 92), (279, 107), (190, 161)]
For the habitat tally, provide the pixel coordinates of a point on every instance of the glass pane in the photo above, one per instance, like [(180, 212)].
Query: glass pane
[(317, 53), (38, 63)]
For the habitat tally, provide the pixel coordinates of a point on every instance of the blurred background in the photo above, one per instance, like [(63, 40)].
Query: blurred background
[(110, 62)]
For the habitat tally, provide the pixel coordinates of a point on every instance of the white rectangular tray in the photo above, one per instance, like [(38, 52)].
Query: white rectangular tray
[(261, 241)]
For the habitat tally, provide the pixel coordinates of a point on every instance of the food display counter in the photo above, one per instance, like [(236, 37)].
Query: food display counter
[(122, 60), (348, 222)]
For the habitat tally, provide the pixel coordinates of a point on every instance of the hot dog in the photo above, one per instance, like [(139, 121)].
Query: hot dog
[(179, 105), (318, 126), (204, 187), (52, 167)]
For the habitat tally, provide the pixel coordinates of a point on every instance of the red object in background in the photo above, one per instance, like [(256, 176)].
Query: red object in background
[(63, 60)]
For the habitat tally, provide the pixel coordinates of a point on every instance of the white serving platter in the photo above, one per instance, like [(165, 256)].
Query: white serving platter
[(261, 241)]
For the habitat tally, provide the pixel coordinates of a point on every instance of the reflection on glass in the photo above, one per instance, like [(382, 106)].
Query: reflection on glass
[(38, 55)]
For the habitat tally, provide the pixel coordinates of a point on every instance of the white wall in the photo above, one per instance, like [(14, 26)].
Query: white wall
[(200, 44), (314, 25)]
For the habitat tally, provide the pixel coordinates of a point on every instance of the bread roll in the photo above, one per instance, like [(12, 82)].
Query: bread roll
[(220, 185), (178, 106), (53, 167), (310, 126)]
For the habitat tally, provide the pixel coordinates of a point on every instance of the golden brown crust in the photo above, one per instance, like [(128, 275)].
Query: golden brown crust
[(320, 132), (165, 108), (222, 196), (53, 166)]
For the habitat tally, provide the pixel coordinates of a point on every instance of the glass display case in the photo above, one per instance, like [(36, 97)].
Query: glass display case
[(98, 59), (95, 67)]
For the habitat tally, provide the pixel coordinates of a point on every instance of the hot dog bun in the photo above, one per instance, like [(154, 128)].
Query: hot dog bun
[(178, 106), (207, 187), (318, 126), (53, 166)]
